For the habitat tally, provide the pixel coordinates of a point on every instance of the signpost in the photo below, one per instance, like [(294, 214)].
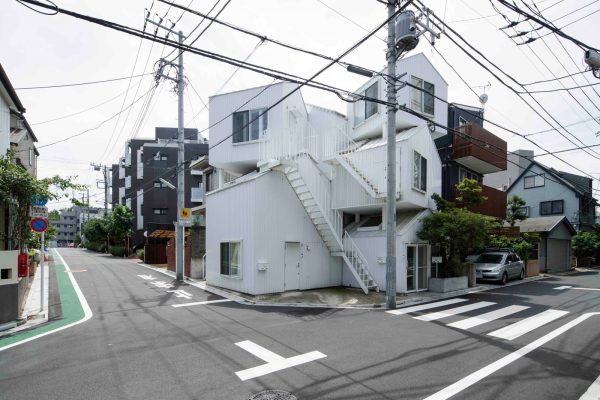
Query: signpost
[(185, 217), (38, 223)]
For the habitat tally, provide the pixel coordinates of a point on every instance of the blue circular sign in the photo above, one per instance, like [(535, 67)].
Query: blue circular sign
[(39, 200), (38, 224)]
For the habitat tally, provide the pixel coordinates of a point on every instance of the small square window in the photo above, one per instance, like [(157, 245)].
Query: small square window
[(230, 259)]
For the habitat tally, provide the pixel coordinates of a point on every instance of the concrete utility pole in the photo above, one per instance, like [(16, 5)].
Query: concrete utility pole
[(104, 169), (390, 261), (180, 80)]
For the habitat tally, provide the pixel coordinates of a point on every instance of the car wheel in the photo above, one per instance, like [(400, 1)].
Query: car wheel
[(522, 274), (504, 278)]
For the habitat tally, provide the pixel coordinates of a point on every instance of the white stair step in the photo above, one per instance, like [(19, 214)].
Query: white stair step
[(304, 195), (294, 175)]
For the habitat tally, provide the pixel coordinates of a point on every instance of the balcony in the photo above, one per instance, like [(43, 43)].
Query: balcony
[(478, 149), (494, 206), (197, 195)]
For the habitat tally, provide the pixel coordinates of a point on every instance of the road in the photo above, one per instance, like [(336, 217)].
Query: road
[(138, 345)]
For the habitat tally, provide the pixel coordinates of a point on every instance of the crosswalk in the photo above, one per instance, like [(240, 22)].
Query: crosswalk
[(509, 332)]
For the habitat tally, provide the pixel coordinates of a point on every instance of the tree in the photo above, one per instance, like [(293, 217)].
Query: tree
[(17, 187), (95, 230), (120, 224), (514, 211), (469, 193), (584, 244), (53, 215), (458, 232)]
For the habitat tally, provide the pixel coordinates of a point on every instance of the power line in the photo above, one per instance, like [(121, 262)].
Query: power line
[(80, 83), (350, 20), (554, 79)]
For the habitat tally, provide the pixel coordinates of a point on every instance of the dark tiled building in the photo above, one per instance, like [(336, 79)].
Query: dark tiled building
[(136, 180), (470, 151)]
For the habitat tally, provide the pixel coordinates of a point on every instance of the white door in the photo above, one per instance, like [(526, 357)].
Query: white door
[(291, 277)]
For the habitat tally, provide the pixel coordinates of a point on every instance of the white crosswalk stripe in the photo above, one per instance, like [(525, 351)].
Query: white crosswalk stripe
[(469, 323), (528, 324), (454, 311), (427, 306)]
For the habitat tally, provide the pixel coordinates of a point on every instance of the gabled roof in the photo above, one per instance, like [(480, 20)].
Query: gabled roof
[(558, 176), (422, 55), (544, 224), (10, 90)]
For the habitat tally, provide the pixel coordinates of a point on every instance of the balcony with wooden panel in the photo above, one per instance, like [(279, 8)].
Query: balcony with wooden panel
[(478, 149), (493, 206)]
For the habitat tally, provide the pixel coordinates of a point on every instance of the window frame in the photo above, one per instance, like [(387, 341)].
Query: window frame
[(249, 122), (535, 181), (466, 172), (421, 96), (419, 178), (552, 210), (226, 272), (161, 210)]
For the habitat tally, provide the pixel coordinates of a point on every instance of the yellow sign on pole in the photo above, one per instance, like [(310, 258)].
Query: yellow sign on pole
[(185, 216)]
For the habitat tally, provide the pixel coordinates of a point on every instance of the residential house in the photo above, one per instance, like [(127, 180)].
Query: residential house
[(299, 195), (516, 162), (142, 178), (471, 151), (548, 191)]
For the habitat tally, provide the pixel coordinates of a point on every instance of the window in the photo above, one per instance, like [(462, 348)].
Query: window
[(248, 125), (160, 157), (524, 211), (230, 259), (160, 211), (419, 172), (534, 181), (422, 99), (159, 184), (466, 174), (551, 207), (461, 121), (30, 156), (363, 110)]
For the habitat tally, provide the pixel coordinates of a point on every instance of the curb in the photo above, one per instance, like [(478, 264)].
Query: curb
[(372, 306)]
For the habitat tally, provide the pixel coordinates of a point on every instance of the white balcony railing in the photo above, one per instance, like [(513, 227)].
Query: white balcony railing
[(197, 195)]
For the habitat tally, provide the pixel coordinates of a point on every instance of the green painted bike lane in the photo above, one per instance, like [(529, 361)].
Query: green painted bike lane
[(73, 311)]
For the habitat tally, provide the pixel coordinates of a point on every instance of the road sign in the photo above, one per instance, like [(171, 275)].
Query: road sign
[(39, 200), (38, 211), (185, 216), (38, 224), (436, 260)]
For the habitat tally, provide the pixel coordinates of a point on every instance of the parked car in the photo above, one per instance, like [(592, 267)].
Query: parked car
[(499, 266), (71, 245)]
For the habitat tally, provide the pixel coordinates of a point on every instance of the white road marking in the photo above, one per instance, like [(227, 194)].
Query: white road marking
[(488, 317), (476, 376), (199, 303), (425, 306), (453, 311), (563, 287), (575, 288), (147, 277), (181, 293), (162, 284), (520, 328), (274, 362), (593, 392), (87, 312)]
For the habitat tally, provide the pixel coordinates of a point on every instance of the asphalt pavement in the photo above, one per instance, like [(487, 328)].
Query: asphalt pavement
[(151, 338)]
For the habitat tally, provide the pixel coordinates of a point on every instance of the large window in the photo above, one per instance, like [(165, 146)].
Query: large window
[(230, 258), (248, 125), (419, 172), (551, 207), (363, 110), (466, 174), (160, 157), (534, 181), (421, 98)]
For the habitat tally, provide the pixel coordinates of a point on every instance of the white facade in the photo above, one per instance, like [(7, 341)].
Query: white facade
[(304, 219), (4, 125)]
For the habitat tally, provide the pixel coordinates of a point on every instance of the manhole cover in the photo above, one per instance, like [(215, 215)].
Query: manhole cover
[(273, 395)]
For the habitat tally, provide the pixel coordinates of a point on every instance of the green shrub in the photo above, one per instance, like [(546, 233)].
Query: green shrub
[(118, 251), (93, 246), (140, 254)]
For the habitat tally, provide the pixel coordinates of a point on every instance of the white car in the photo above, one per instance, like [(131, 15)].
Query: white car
[(499, 266)]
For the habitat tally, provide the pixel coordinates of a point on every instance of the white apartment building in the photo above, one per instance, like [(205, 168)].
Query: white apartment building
[(299, 199)]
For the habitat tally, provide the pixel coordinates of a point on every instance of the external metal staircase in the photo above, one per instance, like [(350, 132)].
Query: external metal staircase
[(313, 192)]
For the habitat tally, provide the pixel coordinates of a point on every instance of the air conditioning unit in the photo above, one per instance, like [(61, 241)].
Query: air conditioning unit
[(406, 31)]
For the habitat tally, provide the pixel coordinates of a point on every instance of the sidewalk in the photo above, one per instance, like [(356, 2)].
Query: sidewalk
[(337, 297)]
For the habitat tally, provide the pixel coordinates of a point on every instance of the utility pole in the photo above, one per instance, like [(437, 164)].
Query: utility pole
[(180, 81), (390, 261), (104, 169)]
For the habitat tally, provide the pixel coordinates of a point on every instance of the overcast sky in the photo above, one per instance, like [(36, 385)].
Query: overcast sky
[(41, 50)]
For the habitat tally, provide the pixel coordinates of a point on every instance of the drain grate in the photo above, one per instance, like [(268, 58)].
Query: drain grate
[(273, 395)]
